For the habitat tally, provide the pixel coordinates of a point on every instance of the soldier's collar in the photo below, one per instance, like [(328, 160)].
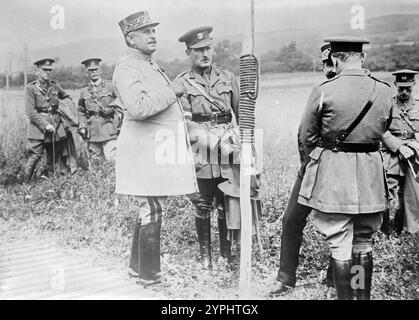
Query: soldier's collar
[(409, 103), (43, 83), (213, 69), (97, 83), (353, 72), (135, 53)]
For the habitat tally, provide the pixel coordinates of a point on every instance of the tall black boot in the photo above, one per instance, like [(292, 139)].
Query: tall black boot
[(225, 245), (134, 267), (342, 279), (385, 226), (203, 228), (149, 253), (366, 262), (29, 168), (399, 219), (329, 274)]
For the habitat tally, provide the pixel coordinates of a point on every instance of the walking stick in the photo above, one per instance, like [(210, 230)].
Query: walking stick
[(249, 73), (413, 171), (53, 144), (53, 152)]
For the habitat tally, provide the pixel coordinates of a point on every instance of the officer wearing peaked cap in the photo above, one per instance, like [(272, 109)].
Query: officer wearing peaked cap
[(401, 144), (210, 100), (344, 182), (100, 114), (46, 131), (295, 216), (328, 67)]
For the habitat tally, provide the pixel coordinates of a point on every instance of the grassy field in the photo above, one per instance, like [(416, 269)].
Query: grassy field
[(80, 213)]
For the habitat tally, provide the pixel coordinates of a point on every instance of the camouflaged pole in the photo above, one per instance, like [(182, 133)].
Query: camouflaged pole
[(249, 82)]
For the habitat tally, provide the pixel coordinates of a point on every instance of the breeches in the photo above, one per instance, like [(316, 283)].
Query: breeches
[(347, 233), (37, 148), (208, 198), (105, 148)]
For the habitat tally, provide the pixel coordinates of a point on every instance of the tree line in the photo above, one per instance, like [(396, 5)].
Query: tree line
[(227, 53)]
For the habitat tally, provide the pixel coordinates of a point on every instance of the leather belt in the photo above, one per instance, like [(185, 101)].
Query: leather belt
[(93, 114), (349, 147), (214, 118), (47, 112), (404, 135)]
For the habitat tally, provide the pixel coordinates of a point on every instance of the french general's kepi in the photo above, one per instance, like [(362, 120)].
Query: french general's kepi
[(136, 21)]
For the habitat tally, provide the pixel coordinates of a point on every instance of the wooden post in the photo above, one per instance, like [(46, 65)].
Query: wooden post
[(245, 173)]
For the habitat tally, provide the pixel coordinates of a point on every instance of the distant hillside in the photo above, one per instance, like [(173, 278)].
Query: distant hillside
[(110, 50), (383, 30), (380, 31)]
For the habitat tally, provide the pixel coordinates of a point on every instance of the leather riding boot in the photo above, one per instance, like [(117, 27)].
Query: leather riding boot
[(29, 168), (366, 262), (203, 228), (329, 274), (399, 219), (134, 268), (385, 226), (225, 245), (342, 279), (149, 251)]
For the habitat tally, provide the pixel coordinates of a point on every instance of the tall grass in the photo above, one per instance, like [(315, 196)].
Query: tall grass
[(82, 211)]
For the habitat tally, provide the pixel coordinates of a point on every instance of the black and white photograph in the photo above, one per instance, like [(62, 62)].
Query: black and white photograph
[(242, 150)]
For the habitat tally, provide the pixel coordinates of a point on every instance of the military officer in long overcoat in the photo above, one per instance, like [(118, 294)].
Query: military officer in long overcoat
[(210, 101), (344, 181), (154, 157), (47, 129), (99, 113), (401, 142)]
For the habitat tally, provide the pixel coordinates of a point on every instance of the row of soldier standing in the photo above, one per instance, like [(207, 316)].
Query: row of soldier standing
[(204, 99), (98, 118)]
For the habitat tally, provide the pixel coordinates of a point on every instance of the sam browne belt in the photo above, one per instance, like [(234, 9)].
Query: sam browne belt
[(215, 118)]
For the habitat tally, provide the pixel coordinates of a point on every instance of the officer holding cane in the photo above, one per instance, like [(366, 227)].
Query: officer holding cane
[(46, 130)]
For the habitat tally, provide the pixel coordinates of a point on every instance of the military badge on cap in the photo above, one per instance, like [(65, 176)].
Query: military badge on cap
[(197, 38), (92, 63), (346, 44), (405, 77), (325, 49), (136, 21), (45, 63)]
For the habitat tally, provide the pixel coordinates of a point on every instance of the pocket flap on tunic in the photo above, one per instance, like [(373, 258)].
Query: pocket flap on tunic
[(224, 88), (310, 174), (315, 154), (193, 92), (414, 116)]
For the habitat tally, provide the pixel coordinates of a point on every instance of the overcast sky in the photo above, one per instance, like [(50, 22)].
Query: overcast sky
[(28, 21)]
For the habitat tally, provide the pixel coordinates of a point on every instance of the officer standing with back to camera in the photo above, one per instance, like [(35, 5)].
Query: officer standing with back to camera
[(401, 144), (295, 216), (344, 181), (47, 129), (99, 114), (210, 100)]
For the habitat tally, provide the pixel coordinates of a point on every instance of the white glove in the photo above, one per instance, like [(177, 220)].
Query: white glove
[(50, 128)]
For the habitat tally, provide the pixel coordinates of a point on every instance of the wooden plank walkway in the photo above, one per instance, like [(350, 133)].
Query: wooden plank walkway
[(39, 270)]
